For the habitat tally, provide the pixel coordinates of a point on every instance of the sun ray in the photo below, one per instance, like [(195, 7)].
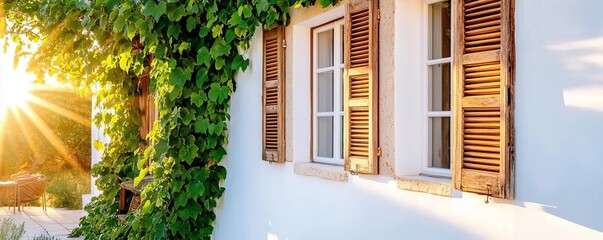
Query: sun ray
[(26, 132), (57, 109), (2, 123), (52, 138)]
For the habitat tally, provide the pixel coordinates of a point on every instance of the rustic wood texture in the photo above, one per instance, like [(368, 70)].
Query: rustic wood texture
[(146, 103), (273, 100), (484, 62), (361, 87)]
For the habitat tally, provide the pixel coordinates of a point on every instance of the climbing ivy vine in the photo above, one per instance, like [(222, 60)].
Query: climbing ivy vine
[(192, 50)]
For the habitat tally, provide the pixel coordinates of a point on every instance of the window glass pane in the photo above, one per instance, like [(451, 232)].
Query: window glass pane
[(325, 91), (439, 142), (325, 137), (341, 91), (341, 137), (325, 49), (341, 31), (439, 84), (439, 30)]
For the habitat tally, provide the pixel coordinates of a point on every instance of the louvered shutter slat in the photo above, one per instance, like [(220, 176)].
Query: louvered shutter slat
[(483, 106), (273, 135), (360, 87)]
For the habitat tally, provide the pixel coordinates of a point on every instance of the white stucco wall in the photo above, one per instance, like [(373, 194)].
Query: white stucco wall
[(559, 151), (96, 134)]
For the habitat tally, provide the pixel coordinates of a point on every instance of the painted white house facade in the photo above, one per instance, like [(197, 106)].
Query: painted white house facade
[(428, 125)]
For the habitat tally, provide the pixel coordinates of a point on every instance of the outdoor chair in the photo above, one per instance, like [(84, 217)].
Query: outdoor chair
[(20, 174), (31, 188), (8, 193)]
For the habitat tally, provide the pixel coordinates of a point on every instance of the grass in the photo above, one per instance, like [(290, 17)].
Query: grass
[(10, 231)]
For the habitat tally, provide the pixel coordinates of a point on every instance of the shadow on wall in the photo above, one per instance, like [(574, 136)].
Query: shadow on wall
[(559, 115)]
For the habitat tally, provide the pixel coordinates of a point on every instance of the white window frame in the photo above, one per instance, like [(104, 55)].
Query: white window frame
[(427, 114), (337, 113)]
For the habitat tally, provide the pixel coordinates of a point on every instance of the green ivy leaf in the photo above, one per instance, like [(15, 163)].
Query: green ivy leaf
[(229, 36), (240, 32), (202, 77), (237, 62), (98, 145), (201, 125), (262, 5), (178, 77), (203, 32), (244, 64), (203, 57), (181, 200), (175, 13), (221, 171), (141, 175), (200, 174), (173, 31), (196, 189), (161, 148), (218, 154), (155, 10), (198, 98), (220, 63), (142, 25), (283, 5), (131, 32), (188, 153), (119, 24), (215, 129), (216, 31), (235, 19), (191, 23), (160, 51), (245, 10), (146, 208), (183, 47), (326, 3), (218, 93), (220, 48), (187, 115)]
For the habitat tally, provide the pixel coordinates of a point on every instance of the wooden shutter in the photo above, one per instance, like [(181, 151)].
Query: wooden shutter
[(273, 85), (360, 87), (146, 104), (484, 63)]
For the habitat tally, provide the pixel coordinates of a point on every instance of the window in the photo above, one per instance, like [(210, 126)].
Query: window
[(438, 63), (335, 88), (327, 82)]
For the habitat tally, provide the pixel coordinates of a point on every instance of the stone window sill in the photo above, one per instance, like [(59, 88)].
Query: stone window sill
[(428, 184), (320, 170)]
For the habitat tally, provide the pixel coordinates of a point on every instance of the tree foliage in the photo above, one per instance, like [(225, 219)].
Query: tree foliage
[(192, 50)]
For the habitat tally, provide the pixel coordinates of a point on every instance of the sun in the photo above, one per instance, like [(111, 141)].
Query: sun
[(15, 83), (13, 93)]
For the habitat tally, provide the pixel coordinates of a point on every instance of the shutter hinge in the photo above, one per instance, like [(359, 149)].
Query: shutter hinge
[(378, 151), (284, 43), (378, 14)]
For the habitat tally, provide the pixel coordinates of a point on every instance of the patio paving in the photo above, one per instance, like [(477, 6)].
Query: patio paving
[(56, 222)]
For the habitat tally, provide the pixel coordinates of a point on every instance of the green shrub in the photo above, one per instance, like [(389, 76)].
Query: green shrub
[(65, 190), (10, 231), (44, 237)]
